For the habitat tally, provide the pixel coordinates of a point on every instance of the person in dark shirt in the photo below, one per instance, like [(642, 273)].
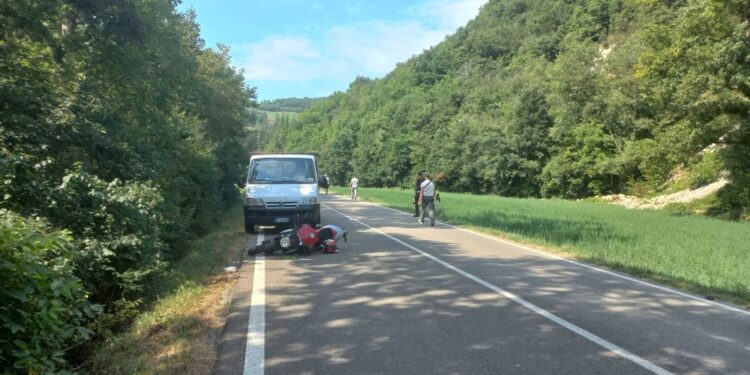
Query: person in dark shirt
[(324, 182), (417, 188)]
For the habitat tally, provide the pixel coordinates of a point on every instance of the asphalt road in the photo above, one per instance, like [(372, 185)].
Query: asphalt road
[(402, 298)]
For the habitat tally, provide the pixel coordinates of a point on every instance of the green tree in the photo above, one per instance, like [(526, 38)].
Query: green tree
[(122, 128)]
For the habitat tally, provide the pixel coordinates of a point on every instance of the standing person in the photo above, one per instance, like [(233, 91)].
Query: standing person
[(427, 199), (353, 185), (324, 182), (417, 189)]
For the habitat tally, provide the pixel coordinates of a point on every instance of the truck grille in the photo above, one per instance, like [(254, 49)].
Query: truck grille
[(288, 204)]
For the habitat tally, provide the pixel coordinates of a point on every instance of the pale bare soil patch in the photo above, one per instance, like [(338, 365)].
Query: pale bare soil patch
[(684, 196)]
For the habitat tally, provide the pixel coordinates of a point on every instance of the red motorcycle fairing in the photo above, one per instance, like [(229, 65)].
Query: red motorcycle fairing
[(307, 235)]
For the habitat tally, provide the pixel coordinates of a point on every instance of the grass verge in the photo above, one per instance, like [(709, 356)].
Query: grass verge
[(178, 334), (704, 255)]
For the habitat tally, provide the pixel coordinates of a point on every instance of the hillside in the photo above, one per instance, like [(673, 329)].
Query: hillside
[(273, 114), (553, 99), (288, 104), (263, 124)]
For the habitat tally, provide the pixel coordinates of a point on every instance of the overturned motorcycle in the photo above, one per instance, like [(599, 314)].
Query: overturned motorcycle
[(303, 239)]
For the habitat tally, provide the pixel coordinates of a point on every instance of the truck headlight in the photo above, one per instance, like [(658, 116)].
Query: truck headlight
[(253, 202), (308, 200)]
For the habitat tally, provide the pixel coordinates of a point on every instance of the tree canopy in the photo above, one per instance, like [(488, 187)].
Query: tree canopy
[(551, 98), (288, 104)]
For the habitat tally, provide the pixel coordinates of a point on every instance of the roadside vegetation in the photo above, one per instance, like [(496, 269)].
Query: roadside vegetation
[(704, 255), (122, 135), (178, 334)]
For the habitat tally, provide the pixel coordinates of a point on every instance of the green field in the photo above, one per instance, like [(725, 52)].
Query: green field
[(281, 113), (704, 255), (278, 117)]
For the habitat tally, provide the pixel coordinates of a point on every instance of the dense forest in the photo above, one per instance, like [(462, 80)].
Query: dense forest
[(288, 104), (554, 98), (122, 135)]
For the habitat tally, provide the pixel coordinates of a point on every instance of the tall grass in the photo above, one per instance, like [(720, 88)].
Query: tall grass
[(701, 254)]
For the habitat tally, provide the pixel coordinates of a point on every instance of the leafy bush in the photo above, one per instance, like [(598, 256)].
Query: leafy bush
[(733, 202), (43, 307), (117, 226), (582, 168), (707, 170)]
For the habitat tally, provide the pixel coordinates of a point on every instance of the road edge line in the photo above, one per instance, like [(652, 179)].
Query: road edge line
[(255, 351)]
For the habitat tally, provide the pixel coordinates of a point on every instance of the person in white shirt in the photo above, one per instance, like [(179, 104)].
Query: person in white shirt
[(427, 199), (353, 184)]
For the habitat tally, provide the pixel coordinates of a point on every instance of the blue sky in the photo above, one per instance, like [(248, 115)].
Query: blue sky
[(298, 48)]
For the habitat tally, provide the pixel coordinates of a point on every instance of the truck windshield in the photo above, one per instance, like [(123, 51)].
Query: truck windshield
[(281, 171)]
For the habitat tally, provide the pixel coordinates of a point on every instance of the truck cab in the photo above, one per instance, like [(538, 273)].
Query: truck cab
[(279, 189)]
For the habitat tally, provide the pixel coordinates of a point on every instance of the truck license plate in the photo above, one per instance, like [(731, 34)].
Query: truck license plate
[(281, 220)]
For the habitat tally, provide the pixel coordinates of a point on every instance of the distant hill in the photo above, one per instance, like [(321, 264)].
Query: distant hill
[(263, 124), (288, 104), (273, 118)]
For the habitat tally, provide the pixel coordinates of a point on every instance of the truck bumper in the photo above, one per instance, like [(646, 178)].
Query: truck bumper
[(255, 215)]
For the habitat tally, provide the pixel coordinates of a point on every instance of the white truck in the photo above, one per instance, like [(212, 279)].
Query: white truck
[(281, 188)]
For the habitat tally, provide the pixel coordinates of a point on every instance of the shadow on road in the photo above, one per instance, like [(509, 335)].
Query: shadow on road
[(381, 303)]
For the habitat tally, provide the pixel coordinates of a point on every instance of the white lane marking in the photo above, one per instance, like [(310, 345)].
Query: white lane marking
[(560, 321), (255, 351), (704, 301)]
